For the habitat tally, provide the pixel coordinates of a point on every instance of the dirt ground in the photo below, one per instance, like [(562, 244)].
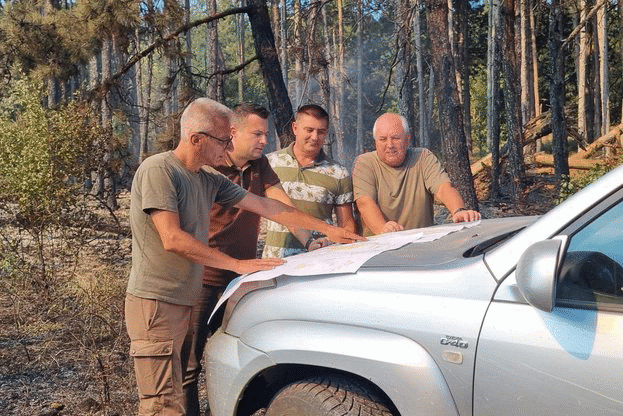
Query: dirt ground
[(63, 355)]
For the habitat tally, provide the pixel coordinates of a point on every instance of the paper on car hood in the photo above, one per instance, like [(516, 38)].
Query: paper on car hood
[(341, 258)]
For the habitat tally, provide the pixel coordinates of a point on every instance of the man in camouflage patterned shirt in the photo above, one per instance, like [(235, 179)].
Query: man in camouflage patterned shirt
[(315, 184)]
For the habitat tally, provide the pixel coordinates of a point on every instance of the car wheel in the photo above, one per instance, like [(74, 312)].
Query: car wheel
[(326, 396)]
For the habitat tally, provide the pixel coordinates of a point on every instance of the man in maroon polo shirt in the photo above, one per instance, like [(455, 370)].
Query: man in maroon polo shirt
[(234, 231)]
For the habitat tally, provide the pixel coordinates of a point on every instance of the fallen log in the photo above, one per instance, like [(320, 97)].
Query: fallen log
[(547, 160), (609, 138), (575, 161)]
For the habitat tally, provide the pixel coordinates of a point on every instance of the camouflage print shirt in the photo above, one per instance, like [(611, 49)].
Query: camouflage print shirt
[(315, 189)]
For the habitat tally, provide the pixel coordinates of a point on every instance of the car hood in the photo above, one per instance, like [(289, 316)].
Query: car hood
[(450, 267), (465, 243)]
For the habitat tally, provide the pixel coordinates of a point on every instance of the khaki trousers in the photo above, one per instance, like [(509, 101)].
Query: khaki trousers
[(161, 338)]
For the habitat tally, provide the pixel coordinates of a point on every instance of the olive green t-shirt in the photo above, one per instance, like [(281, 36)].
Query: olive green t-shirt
[(162, 182), (405, 194)]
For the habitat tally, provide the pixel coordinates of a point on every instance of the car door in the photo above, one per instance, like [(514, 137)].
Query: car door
[(568, 361)]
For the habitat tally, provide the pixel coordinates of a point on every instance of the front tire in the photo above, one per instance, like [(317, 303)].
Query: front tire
[(326, 396)]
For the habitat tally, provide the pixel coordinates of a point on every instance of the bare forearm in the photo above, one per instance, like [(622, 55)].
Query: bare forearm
[(178, 241), (450, 197), (276, 192), (185, 245), (453, 200), (371, 215), (283, 214), (345, 218)]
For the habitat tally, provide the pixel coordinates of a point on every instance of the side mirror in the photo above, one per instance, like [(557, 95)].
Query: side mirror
[(536, 273)]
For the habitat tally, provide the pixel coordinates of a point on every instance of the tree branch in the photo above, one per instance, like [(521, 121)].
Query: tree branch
[(234, 69), (581, 25), (105, 85)]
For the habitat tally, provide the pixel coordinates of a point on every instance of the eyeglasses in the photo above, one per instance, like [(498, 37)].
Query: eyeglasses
[(224, 142)]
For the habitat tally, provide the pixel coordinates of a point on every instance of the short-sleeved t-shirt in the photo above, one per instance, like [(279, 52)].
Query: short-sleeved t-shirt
[(315, 189), (405, 194), (232, 230), (163, 182)]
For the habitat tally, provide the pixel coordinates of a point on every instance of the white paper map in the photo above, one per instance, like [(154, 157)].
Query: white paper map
[(342, 258)]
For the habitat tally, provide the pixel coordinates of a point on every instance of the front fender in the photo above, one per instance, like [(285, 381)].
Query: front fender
[(397, 365)]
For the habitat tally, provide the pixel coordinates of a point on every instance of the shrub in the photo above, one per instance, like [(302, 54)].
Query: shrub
[(569, 186)]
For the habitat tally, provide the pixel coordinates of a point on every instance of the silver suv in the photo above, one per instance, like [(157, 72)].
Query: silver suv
[(514, 316)]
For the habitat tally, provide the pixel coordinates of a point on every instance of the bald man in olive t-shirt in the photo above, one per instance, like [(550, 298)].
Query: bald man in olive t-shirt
[(395, 186)]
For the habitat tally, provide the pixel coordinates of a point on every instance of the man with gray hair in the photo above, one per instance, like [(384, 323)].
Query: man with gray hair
[(171, 197), (234, 231), (395, 186)]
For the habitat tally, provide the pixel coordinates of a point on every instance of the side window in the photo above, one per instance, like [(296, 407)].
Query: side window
[(592, 270)]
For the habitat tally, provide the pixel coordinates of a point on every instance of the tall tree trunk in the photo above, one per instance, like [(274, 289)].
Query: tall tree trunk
[(110, 177), (512, 99), (327, 82), (527, 97), (148, 96), (140, 101), (595, 81), (264, 42), (52, 81), (404, 73), (276, 21), (359, 146), (341, 70), (535, 66), (535, 61), (284, 42), (604, 76), (463, 64), (298, 51), (493, 87), (557, 91), (94, 182), (434, 140), (131, 105), (450, 111), (240, 20), (582, 66), (187, 79), (216, 83), (423, 121)]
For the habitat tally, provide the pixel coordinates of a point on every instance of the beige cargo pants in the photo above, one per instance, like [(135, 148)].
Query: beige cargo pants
[(161, 337)]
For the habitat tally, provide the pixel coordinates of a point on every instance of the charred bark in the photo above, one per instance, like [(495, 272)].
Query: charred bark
[(278, 98), (557, 93), (512, 97), (450, 110)]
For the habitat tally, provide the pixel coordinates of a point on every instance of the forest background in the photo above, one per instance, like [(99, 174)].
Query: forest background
[(509, 94)]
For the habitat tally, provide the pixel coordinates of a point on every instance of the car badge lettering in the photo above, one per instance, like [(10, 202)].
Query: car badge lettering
[(454, 341)]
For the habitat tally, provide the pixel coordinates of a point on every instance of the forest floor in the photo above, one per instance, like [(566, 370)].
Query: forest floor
[(63, 347)]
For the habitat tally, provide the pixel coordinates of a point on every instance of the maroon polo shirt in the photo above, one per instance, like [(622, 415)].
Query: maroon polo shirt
[(234, 231)]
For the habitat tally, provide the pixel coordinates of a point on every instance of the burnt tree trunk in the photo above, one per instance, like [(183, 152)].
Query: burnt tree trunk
[(450, 110), (512, 98), (278, 98), (557, 92), (404, 74)]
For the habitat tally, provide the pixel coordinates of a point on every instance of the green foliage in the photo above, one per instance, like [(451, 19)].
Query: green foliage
[(569, 186), (43, 155)]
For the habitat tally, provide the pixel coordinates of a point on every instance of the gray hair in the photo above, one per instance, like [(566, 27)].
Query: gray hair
[(199, 115), (403, 120)]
